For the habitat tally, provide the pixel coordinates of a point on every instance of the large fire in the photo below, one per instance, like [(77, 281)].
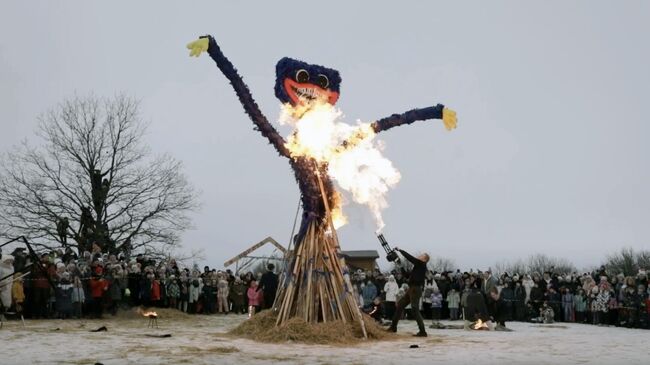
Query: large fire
[(352, 154)]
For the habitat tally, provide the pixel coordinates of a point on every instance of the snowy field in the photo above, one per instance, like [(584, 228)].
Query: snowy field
[(203, 340)]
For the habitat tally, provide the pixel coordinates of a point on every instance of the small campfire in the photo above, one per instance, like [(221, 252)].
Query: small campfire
[(480, 326), (153, 318)]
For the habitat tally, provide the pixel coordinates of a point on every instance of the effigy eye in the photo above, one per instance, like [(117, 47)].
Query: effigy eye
[(302, 76), (323, 81)]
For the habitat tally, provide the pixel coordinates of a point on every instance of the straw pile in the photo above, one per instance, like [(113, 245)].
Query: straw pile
[(262, 327)]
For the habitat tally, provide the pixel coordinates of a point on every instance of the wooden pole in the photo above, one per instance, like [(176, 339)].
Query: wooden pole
[(333, 230)]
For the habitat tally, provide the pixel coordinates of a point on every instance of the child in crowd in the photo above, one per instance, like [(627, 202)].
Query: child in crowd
[(173, 291), (375, 310), (436, 305), (253, 299), (453, 302)]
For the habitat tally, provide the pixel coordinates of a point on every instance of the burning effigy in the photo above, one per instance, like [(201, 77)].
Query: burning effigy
[(322, 150)]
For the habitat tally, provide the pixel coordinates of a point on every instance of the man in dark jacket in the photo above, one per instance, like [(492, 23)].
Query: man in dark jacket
[(412, 296), (269, 286)]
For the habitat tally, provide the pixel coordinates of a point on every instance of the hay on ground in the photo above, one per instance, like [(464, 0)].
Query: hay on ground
[(262, 328)]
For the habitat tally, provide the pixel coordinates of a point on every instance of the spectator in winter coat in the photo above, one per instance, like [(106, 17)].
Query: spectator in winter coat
[(64, 297), (453, 300), (269, 285), (173, 291), (156, 293), (427, 290), (98, 286), (223, 291), (580, 306), (77, 297), (547, 314), (528, 284), (184, 287), (390, 288), (520, 302), (375, 310), (196, 288), (18, 293), (369, 293), (436, 305), (567, 306), (237, 293), (253, 299), (6, 271)]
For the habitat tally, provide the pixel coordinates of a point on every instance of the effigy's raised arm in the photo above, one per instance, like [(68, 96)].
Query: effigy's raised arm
[(447, 115), (207, 43), (433, 112)]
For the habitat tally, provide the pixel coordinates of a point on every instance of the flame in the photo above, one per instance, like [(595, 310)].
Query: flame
[(480, 325), (352, 154), (150, 314)]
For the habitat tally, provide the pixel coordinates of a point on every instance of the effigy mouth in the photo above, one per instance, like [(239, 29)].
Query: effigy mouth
[(303, 93)]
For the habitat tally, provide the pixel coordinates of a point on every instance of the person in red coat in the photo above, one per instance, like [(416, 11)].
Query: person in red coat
[(98, 286), (155, 292)]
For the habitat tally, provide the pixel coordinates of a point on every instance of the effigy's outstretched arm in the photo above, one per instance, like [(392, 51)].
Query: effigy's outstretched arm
[(447, 115), (433, 112), (207, 43)]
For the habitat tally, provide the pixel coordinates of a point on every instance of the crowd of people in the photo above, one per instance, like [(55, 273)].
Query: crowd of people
[(64, 285), (598, 298)]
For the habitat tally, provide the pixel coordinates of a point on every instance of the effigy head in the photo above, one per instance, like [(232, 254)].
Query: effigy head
[(299, 82)]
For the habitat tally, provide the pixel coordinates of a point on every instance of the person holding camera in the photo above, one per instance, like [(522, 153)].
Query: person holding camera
[(412, 296)]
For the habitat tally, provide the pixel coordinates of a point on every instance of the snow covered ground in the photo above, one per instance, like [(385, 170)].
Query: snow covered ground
[(203, 340)]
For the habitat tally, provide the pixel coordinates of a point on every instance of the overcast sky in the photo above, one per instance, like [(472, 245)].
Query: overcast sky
[(550, 154)]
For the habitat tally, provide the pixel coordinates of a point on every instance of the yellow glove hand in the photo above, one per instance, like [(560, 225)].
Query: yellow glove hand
[(449, 118), (198, 46)]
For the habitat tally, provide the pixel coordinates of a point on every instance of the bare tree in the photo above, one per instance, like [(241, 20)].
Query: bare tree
[(93, 180), (441, 264), (537, 263), (627, 261), (511, 267)]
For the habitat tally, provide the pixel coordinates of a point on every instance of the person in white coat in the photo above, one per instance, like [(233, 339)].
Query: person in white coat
[(6, 271), (390, 288)]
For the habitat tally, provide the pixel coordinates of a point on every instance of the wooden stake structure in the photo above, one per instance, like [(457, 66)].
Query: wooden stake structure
[(316, 284)]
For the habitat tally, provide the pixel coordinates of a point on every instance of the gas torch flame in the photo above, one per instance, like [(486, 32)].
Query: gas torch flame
[(353, 156)]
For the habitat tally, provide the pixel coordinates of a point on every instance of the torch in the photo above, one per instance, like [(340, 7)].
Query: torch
[(391, 255)]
